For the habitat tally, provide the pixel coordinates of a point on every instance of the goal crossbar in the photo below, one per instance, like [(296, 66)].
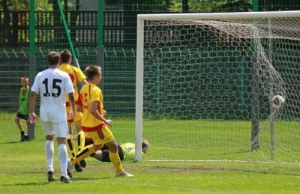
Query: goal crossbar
[(215, 16)]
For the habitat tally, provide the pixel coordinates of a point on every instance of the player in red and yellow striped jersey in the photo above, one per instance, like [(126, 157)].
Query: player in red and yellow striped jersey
[(77, 77), (94, 123)]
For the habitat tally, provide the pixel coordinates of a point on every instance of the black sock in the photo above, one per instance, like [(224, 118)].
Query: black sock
[(22, 133)]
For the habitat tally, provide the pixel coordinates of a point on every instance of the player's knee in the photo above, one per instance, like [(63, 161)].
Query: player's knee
[(17, 119)]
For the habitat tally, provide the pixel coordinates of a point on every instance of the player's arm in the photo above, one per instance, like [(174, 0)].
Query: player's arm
[(72, 103), (81, 77), (32, 101), (94, 111), (83, 82), (70, 91), (79, 104)]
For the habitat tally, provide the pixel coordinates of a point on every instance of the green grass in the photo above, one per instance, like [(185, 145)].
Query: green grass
[(23, 170)]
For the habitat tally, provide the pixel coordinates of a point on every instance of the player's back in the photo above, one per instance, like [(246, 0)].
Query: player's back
[(52, 84), (128, 151), (75, 74), (90, 93)]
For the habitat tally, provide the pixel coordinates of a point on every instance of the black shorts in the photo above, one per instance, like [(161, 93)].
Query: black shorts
[(105, 151), (19, 115)]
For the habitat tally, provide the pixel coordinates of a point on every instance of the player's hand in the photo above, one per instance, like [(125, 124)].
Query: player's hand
[(109, 122), (71, 114), (32, 118)]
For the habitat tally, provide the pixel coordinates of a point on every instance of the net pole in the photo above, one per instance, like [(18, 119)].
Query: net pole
[(100, 45), (255, 5), (32, 59), (270, 53), (255, 95), (139, 90), (75, 61)]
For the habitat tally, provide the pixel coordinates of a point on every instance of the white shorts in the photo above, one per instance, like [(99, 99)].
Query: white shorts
[(53, 128)]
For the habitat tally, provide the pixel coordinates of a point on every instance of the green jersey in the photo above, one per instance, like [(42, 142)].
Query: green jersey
[(24, 100), (128, 150)]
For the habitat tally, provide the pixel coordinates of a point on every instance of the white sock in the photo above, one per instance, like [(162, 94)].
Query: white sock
[(49, 150), (63, 159)]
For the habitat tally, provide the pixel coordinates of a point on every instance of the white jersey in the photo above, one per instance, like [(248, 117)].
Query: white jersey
[(53, 85)]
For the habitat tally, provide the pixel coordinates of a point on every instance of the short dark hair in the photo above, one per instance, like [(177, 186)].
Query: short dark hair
[(91, 71), (65, 56), (53, 58)]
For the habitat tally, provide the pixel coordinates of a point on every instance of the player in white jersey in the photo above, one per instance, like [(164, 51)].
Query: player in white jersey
[(53, 84)]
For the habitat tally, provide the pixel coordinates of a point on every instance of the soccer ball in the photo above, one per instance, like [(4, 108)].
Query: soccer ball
[(277, 101)]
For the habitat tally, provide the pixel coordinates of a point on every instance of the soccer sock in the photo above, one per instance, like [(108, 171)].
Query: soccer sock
[(86, 151), (22, 133), (63, 159), (80, 140), (49, 150), (71, 144), (115, 159)]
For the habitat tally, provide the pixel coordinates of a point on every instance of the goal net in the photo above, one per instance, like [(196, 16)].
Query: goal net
[(205, 84)]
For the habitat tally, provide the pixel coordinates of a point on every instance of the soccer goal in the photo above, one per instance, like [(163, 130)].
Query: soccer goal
[(205, 84)]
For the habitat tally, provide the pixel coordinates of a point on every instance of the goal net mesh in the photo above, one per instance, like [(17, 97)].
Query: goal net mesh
[(208, 85)]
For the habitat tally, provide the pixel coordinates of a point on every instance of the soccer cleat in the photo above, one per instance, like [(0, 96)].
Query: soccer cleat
[(24, 138), (65, 179), (69, 169), (78, 167), (82, 163), (51, 176), (124, 174)]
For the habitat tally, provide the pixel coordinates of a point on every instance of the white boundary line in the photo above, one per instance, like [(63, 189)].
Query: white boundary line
[(226, 161)]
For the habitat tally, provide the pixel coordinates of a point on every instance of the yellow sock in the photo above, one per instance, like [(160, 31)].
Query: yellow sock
[(115, 159), (71, 145), (81, 140), (85, 152)]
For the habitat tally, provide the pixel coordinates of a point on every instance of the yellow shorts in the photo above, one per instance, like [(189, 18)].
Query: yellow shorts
[(78, 115), (101, 136)]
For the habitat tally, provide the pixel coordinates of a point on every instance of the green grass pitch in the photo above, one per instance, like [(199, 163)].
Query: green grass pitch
[(23, 170)]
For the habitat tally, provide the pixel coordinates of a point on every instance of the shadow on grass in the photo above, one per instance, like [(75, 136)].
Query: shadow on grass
[(90, 178), (24, 184), (77, 179), (12, 142)]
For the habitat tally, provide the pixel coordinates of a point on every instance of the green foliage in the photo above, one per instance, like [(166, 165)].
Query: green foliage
[(23, 5), (198, 6)]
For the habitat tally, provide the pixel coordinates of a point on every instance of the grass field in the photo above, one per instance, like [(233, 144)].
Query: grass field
[(23, 170)]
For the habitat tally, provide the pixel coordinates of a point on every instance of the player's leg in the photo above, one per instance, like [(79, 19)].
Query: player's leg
[(112, 145), (114, 156), (19, 124), (61, 135), (49, 148), (80, 135), (71, 145), (87, 150), (103, 154), (70, 139)]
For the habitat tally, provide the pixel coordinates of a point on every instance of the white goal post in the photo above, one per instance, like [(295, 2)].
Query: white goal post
[(169, 37)]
